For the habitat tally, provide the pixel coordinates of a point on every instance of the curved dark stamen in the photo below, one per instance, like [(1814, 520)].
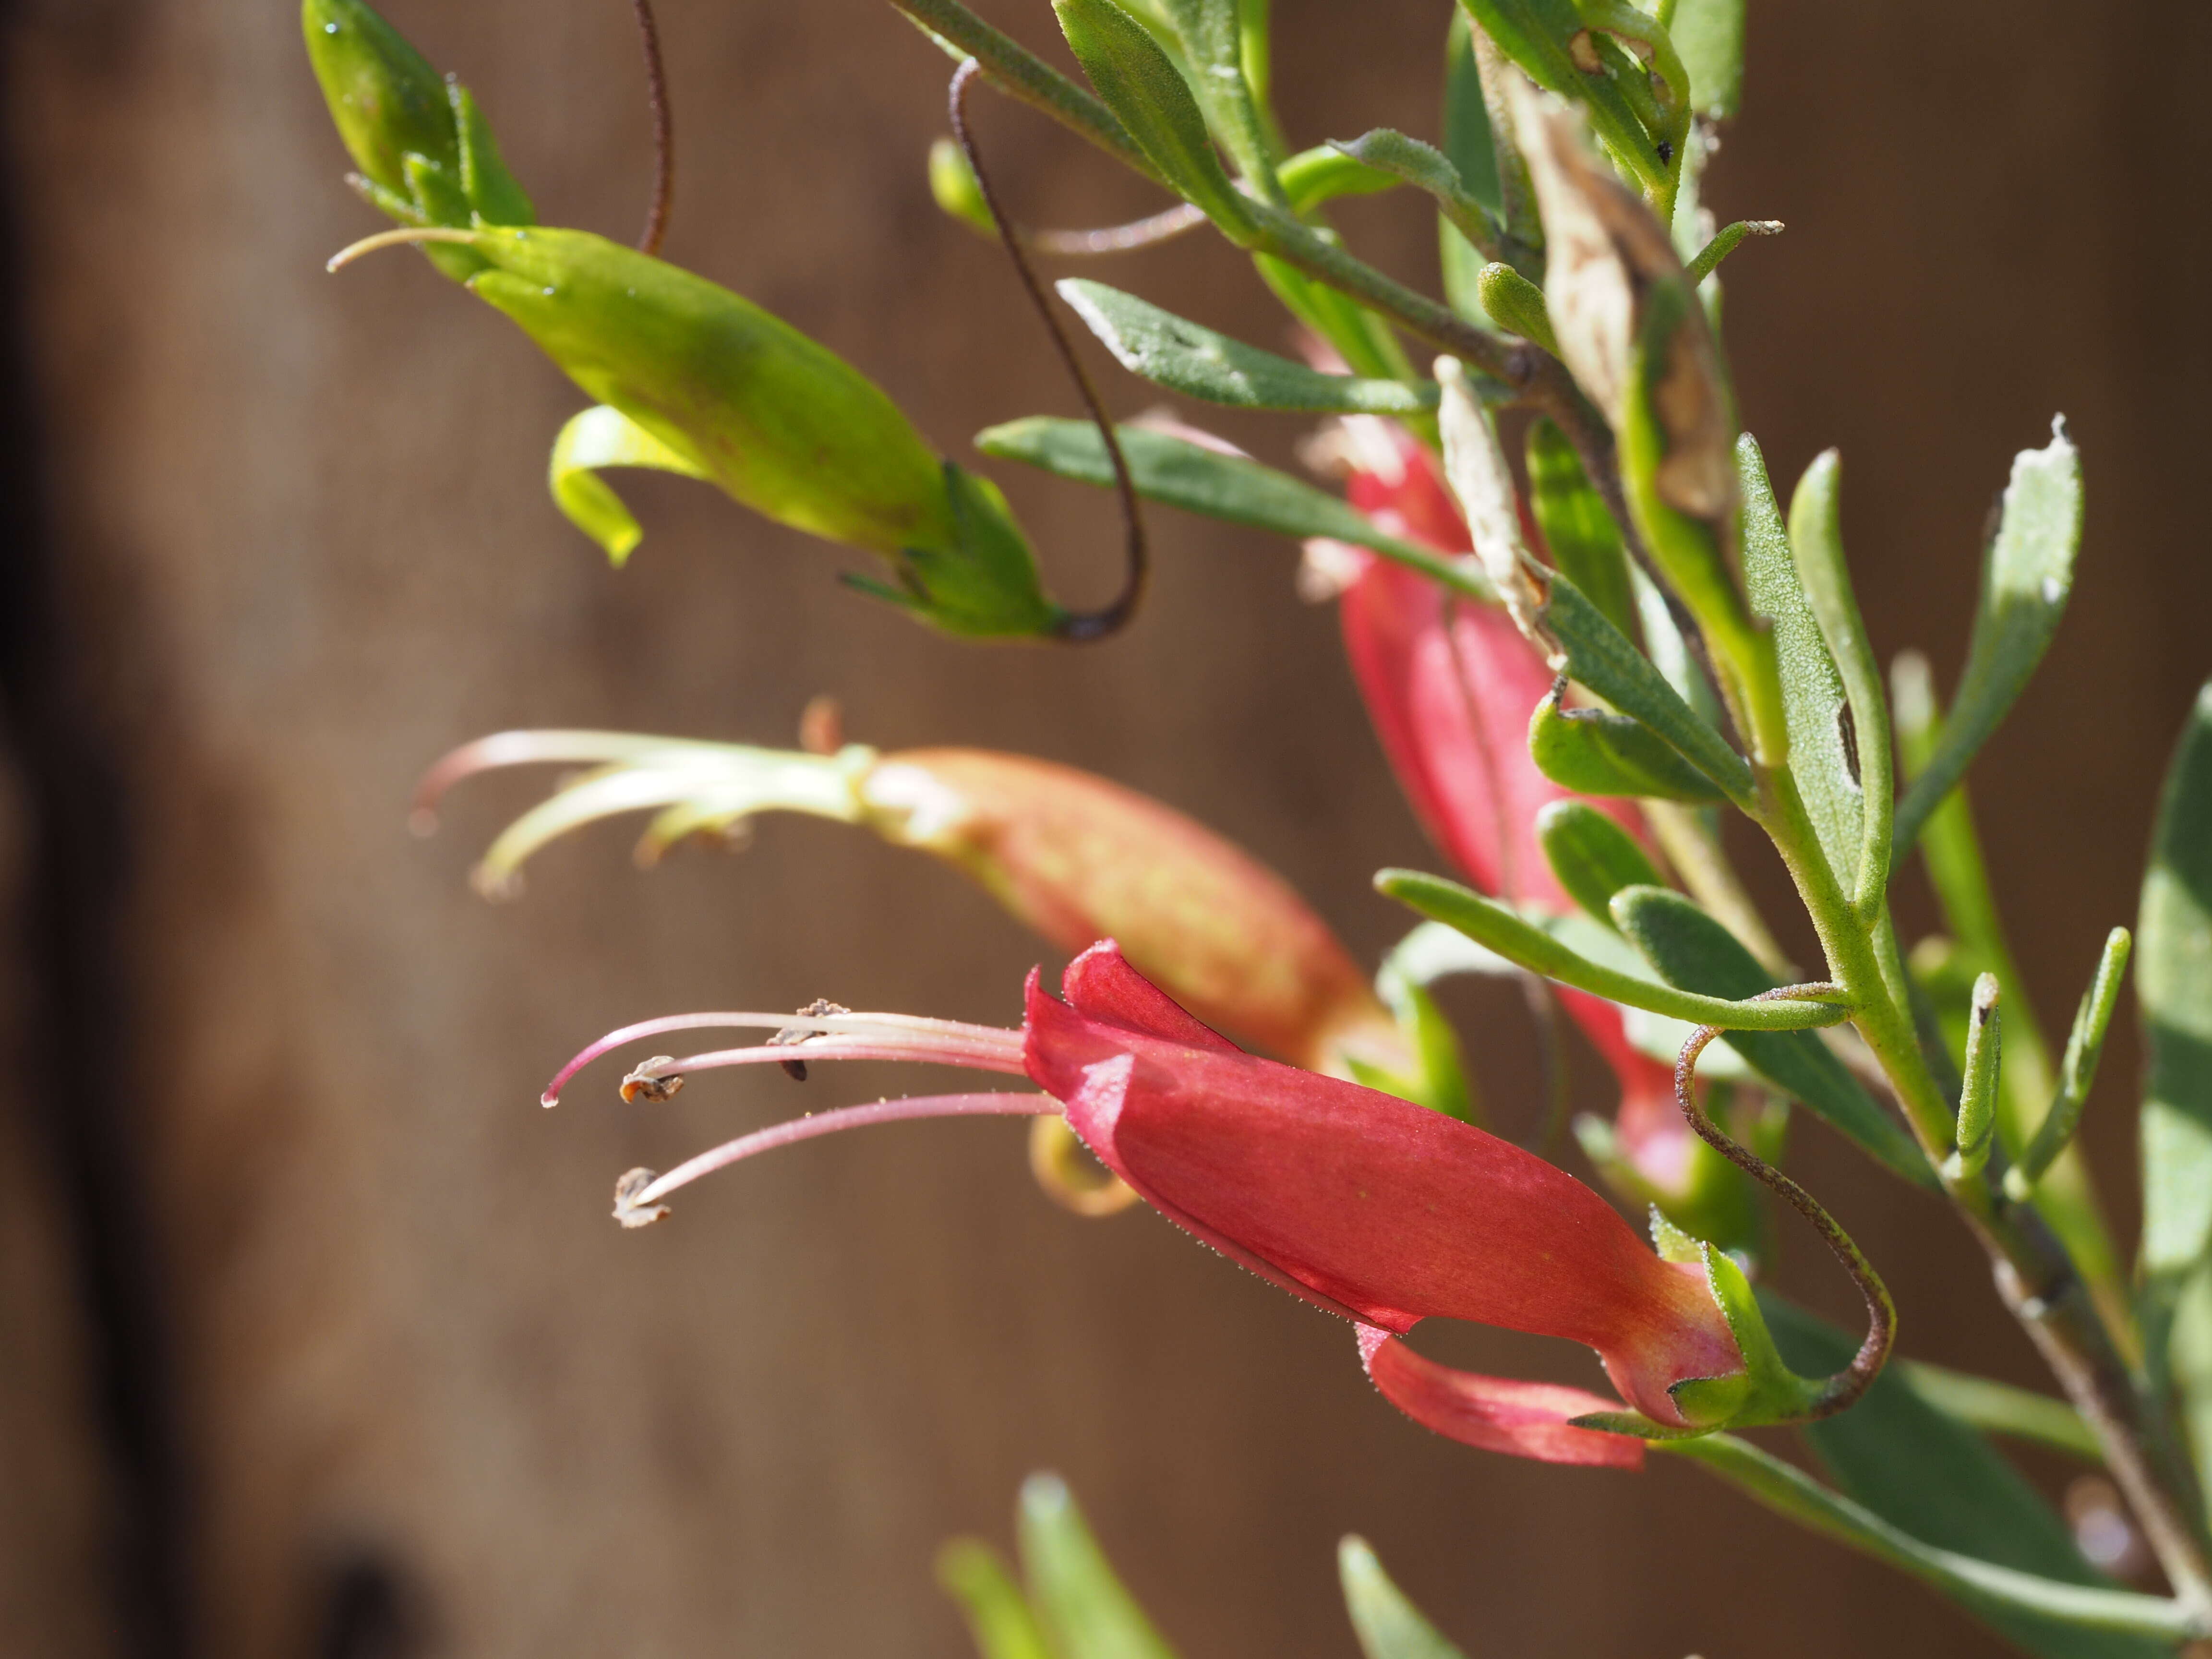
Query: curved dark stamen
[(1148, 232), (1087, 625), (1845, 1387), (664, 132)]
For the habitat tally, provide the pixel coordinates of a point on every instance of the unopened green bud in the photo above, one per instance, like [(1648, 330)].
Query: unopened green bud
[(952, 182)]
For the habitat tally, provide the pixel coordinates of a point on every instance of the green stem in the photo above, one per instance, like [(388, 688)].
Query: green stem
[(2038, 1283), (1793, 1493), (1995, 1407), (1020, 73)]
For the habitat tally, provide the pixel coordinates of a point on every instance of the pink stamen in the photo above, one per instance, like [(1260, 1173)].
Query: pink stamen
[(867, 1037), (648, 1197)]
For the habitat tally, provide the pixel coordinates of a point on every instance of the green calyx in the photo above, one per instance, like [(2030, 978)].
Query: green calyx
[(1765, 1392), (426, 155)]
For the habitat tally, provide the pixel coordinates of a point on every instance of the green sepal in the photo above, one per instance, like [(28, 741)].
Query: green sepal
[(427, 157), (1195, 360), (1766, 1390), (1136, 80), (1387, 1625), (1592, 856), (999, 1615), (386, 100), (1593, 752), (1689, 948), (952, 186)]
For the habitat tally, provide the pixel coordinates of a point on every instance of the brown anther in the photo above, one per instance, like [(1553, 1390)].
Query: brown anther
[(628, 1210), (821, 1006), (646, 1083)]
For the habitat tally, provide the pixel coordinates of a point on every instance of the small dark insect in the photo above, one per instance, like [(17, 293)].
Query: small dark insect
[(1666, 150), (796, 1069)]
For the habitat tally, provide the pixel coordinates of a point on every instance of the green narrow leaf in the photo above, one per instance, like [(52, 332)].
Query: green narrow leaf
[(1692, 951), (1186, 357), (1816, 538), (1812, 690), (1388, 1626), (1708, 35), (1214, 42), (1427, 168), (1593, 857), (999, 1614), (2077, 1072), (1189, 476), (1937, 1478), (2173, 985), (1438, 1079), (597, 437), (1492, 926), (1473, 152), (1601, 658), (1136, 80), (1079, 1599), (2028, 575), (1578, 532), (1540, 36), (1325, 172), (1594, 752)]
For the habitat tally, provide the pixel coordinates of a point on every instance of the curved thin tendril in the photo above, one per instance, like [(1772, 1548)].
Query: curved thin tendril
[(1845, 1387), (664, 130), (1081, 626), (405, 236), (1148, 232)]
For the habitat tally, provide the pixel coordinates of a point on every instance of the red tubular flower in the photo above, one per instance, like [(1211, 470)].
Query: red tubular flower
[(1450, 687), (1352, 1199)]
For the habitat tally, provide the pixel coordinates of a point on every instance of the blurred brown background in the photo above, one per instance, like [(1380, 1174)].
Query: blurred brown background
[(315, 1339)]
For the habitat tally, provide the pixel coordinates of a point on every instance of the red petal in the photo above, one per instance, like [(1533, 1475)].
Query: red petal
[(1102, 987), (1527, 1419), (1375, 1204)]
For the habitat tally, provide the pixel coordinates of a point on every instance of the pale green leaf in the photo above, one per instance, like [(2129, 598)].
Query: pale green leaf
[(2028, 575), (1082, 1603), (1388, 1626), (2173, 985), (1187, 357)]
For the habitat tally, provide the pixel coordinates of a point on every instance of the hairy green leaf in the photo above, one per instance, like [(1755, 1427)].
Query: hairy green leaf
[(2028, 575), (1184, 357), (1935, 1477), (1691, 949), (1136, 80), (1427, 168), (1820, 760), (1189, 476), (1593, 857), (1594, 752)]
